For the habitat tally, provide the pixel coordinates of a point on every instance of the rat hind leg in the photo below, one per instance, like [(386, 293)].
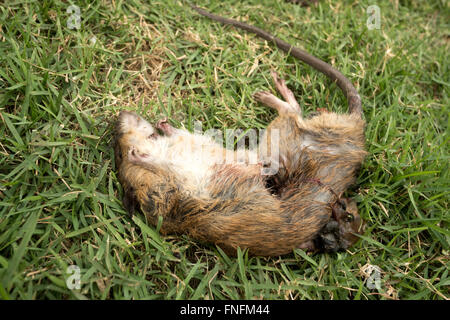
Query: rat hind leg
[(281, 106), (290, 106), (286, 93), (272, 101)]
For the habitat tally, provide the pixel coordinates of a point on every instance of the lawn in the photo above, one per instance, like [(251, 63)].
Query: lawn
[(61, 88)]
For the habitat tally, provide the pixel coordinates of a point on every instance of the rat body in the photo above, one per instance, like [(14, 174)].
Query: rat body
[(227, 204), (230, 204), (333, 142)]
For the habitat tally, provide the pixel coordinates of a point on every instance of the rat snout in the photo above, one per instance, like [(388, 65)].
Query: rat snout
[(128, 117), (128, 121), (125, 113)]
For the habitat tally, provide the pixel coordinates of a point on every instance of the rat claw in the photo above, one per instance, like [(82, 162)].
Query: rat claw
[(262, 96)]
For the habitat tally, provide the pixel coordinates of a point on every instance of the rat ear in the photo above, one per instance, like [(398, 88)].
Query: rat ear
[(129, 201)]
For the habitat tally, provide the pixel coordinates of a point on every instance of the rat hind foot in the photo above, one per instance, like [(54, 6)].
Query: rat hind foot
[(286, 93), (271, 101)]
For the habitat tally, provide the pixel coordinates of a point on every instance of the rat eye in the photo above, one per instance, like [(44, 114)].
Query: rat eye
[(349, 217), (152, 136)]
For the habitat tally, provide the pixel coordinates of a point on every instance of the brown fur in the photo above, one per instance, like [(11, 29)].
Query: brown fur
[(239, 211), (304, 207), (334, 143), (335, 170)]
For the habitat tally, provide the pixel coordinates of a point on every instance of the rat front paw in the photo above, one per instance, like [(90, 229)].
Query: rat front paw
[(328, 239), (135, 156), (165, 127)]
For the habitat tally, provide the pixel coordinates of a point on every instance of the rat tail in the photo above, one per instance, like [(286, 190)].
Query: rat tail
[(353, 98)]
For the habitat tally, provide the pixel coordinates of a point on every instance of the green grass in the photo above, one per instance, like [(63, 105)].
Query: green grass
[(60, 92)]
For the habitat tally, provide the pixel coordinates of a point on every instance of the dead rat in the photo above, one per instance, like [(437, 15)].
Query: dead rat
[(178, 176), (333, 141), (229, 204)]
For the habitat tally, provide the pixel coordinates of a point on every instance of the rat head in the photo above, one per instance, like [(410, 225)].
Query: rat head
[(345, 212), (132, 131), (342, 230)]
